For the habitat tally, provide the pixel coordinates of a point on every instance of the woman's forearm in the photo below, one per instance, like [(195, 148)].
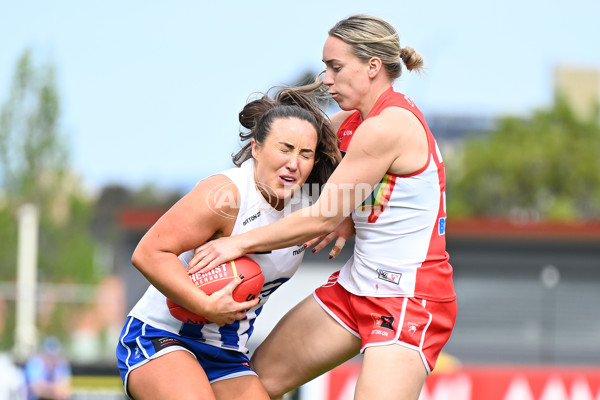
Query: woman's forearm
[(295, 229)]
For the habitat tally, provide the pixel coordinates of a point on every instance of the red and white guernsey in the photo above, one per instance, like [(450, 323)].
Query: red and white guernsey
[(400, 244)]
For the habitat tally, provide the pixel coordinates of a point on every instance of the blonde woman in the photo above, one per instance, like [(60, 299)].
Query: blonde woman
[(394, 299)]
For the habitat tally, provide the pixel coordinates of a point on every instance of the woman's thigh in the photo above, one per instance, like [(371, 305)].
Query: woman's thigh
[(304, 344), (390, 372), (246, 387), (175, 375)]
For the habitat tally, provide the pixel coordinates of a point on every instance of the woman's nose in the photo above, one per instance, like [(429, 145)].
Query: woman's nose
[(292, 163), (327, 80)]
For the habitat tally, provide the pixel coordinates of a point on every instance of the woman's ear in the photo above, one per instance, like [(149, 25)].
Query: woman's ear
[(375, 65), (254, 148)]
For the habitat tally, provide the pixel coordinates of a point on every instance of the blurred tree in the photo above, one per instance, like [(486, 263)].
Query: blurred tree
[(543, 167), (34, 169), (32, 154), (33, 165)]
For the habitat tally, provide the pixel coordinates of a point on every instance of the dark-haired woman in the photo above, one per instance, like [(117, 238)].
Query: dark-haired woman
[(289, 143)]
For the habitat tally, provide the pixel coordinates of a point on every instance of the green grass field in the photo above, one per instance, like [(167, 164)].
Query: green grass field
[(97, 383)]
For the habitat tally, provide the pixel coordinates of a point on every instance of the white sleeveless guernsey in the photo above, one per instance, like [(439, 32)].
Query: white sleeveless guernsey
[(277, 266), (400, 245)]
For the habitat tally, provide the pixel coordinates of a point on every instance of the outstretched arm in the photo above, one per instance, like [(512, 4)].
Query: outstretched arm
[(369, 156)]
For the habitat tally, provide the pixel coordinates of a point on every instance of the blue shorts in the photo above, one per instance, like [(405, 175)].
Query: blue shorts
[(140, 343)]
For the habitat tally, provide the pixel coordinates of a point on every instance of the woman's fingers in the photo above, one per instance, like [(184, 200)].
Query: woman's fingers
[(312, 242), (204, 260), (337, 247)]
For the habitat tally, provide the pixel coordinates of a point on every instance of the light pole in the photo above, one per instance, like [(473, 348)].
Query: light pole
[(25, 330)]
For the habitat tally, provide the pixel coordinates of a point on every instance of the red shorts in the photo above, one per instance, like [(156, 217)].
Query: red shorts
[(419, 324)]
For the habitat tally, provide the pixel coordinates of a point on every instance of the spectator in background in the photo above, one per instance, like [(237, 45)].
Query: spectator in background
[(12, 381), (48, 373)]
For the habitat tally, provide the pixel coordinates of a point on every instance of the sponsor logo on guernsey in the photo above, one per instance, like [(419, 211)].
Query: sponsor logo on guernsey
[(389, 276), (345, 133), (442, 226), (251, 218), (299, 250)]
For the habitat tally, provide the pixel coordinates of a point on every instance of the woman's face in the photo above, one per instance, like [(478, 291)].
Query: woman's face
[(285, 159), (346, 75)]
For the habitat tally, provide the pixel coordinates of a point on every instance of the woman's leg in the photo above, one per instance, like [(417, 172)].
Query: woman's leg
[(246, 387), (175, 375), (304, 344), (390, 372)]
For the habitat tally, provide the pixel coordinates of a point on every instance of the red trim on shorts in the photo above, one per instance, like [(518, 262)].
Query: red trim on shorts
[(421, 325)]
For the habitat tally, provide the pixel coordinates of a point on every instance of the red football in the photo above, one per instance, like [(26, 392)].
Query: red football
[(217, 279)]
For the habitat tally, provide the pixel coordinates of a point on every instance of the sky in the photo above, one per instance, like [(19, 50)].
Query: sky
[(151, 90)]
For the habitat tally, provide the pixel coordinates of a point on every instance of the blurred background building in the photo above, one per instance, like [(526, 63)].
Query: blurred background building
[(580, 87)]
